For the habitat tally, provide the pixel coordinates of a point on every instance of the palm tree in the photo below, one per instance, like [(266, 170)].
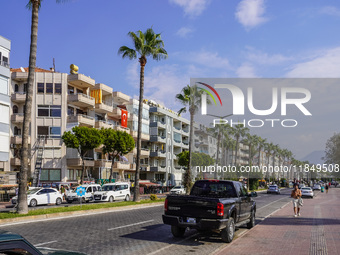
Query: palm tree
[(34, 6), (239, 131), (268, 147), (191, 98), (261, 143), (145, 44)]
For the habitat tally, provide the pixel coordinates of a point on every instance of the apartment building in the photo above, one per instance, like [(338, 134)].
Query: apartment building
[(169, 136), (5, 48)]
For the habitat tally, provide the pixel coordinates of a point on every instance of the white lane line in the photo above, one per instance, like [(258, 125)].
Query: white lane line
[(271, 203), (40, 244), (130, 225), (77, 215)]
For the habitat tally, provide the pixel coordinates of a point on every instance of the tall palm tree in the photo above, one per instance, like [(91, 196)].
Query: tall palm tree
[(251, 141), (145, 44), (261, 143), (268, 147), (239, 131), (34, 6), (191, 99)]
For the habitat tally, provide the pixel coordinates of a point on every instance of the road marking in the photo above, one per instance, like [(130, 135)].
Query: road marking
[(271, 203), (77, 215), (168, 246), (40, 244), (138, 223)]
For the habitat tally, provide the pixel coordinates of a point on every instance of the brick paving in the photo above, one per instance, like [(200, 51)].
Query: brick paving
[(316, 231)]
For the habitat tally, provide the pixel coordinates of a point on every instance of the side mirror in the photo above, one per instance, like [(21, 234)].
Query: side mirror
[(253, 194)]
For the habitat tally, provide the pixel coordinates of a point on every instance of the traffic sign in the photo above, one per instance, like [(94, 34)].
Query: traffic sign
[(81, 191)]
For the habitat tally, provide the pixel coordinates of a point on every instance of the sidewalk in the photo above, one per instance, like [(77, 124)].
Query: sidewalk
[(316, 231)]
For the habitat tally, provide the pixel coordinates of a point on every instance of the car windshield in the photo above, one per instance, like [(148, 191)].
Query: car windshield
[(273, 186), (107, 188), (32, 191), (306, 189), (177, 187), (213, 189)]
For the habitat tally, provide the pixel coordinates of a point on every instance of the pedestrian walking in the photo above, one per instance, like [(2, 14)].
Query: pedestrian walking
[(62, 191), (326, 188), (296, 195)]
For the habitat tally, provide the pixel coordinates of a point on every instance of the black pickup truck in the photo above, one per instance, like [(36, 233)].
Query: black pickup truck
[(213, 205)]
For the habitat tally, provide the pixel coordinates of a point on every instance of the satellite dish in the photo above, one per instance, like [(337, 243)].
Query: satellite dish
[(22, 69)]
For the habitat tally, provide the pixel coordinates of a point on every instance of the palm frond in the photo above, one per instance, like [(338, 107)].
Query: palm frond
[(127, 52)]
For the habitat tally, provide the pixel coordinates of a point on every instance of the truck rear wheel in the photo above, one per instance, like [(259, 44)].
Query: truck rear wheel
[(177, 231), (228, 233), (251, 223)]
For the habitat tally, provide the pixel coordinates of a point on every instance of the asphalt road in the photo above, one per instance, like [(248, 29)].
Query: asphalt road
[(139, 231)]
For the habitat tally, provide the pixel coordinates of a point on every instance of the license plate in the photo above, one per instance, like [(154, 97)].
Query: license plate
[(191, 220)]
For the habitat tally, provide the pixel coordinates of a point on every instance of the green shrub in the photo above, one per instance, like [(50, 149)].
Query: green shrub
[(153, 197)]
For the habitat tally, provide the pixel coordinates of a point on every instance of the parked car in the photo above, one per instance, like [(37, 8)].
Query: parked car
[(11, 244), (307, 192), (212, 205), (113, 191), (90, 189), (273, 189), (41, 196), (177, 190), (317, 187), (301, 185)]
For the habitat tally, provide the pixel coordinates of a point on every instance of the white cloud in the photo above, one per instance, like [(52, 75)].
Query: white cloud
[(324, 64), (246, 70), (264, 58), (205, 58), (330, 10), (250, 13), (192, 7), (184, 32)]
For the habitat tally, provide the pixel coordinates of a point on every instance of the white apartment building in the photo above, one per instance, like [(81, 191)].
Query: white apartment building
[(5, 48)]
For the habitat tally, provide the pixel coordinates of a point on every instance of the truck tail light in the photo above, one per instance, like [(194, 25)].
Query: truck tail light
[(220, 209), (166, 205)]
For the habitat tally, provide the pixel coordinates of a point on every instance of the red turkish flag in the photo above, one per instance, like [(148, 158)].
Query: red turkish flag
[(124, 118)]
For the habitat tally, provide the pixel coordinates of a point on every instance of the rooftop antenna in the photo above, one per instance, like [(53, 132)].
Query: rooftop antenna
[(53, 64)]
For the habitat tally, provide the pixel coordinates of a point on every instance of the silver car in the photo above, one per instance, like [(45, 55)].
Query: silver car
[(273, 189), (307, 192)]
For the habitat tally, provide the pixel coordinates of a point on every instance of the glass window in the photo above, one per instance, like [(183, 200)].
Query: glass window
[(55, 132), (41, 87), (49, 87), (16, 88), (44, 175), (70, 90), (49, 110), (55, 174), (42, 112), (70, 110), (55, 111), (57, 88), (42, 130)]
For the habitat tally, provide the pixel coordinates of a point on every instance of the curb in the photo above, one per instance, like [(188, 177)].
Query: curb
[(63, 215)]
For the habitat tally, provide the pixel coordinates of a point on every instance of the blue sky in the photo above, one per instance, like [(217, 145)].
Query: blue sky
[(204, 38)]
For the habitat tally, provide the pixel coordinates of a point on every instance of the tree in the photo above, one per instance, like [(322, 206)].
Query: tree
[(84, 139), (116, 143), (332, 153), (268, 147), (145, 44), (239, 131), (261, 143), (198, 159), (191, 98), (22, 208)]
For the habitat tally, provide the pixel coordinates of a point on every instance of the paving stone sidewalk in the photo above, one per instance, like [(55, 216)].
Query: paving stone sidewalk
[(316, 231)]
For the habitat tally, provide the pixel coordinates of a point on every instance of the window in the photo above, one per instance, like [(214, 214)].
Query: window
[(25, 87), (57, 88), (55, 132), (50, 175), (17, 131), (51, 132), (42, 130), (52, 153), (41, 87), (70, 90), (49, 87), (16, 88), (3, 85), (15, 109), (49, 110)]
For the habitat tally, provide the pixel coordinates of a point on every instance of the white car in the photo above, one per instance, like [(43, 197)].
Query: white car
[(178, 190), (273, 189), (307, 192), (317, 187), (90, 189), (41, 196), (113, 191)]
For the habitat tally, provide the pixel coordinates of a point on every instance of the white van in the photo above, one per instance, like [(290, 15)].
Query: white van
[(90, 190), (113, 191)]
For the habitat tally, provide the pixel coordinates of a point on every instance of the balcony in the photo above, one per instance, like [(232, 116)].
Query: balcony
[(103, 163), (81, 100), (185, 144), (144, 137), (121, 165), (177, 143), (106, 90), (116, 113), (120, 97), (157, 168), (78, 162), (143, 152), (103, 124), (158, 124), (80, 81), (120, 128), (19, 76), (17, 139), (18, 97), (104, 108), (158, 154), (17, 118), (156, 138), (81, 119), (185, 132), (15, 161)]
